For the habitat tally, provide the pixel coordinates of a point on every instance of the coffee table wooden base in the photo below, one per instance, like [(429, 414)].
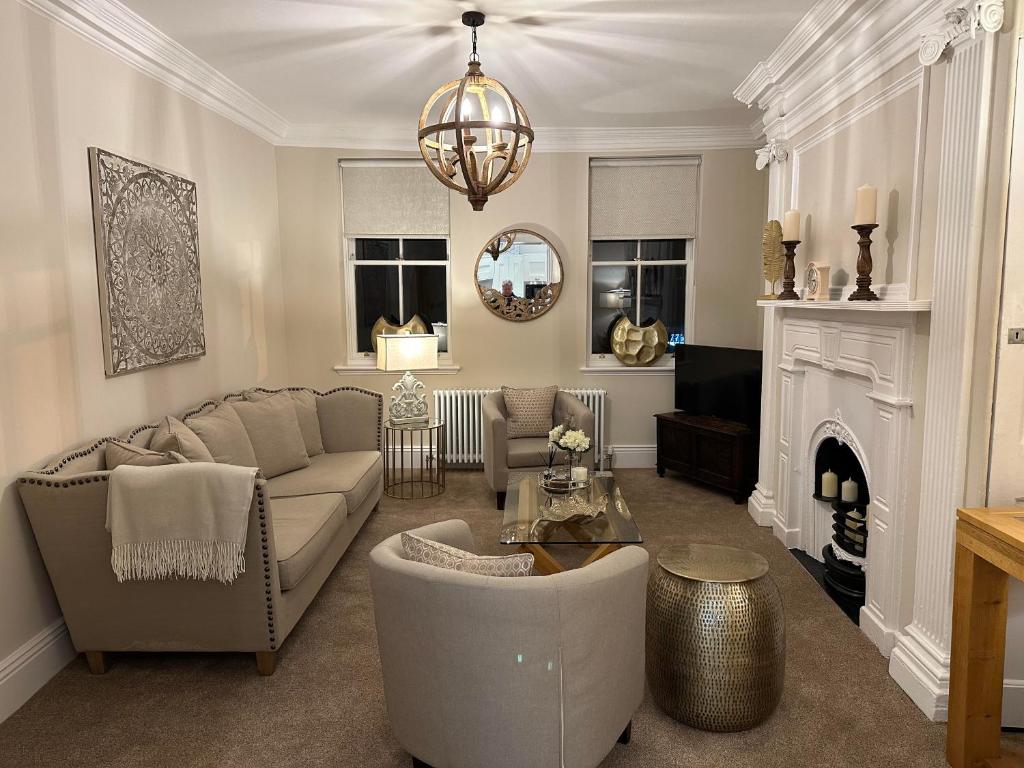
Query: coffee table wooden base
[(546, 564)]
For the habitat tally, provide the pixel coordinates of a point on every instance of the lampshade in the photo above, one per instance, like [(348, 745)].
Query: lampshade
[(407, 352)]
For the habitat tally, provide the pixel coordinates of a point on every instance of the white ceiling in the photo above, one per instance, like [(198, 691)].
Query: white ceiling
[(361, 66)]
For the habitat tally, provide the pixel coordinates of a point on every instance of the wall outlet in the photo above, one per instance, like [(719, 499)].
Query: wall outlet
[(1016, 336)]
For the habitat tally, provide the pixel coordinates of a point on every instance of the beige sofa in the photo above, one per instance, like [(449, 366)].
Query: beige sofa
[(502, 454), (539, 671), (300, 523)]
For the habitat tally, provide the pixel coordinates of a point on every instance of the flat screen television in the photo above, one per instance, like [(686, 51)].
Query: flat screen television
[(719, 381)]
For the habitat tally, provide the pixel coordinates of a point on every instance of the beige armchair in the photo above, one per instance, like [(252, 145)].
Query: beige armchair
[(502, 454), (538, 671)]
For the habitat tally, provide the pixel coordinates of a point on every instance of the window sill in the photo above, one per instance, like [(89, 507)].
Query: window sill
[(625, 370), (349, 369)]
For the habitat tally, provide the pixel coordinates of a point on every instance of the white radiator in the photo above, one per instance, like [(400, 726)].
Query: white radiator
[(460, 410)]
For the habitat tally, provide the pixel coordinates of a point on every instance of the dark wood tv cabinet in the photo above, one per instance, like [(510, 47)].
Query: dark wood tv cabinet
[(714, 451)]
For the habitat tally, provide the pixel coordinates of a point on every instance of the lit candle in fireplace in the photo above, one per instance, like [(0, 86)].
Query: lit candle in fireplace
[(829, 484), (850, 490)]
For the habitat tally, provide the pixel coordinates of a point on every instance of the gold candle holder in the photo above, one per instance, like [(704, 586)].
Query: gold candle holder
[(789, 272)]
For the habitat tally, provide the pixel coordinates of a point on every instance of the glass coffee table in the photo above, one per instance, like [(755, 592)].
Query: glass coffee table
[(538, 522)]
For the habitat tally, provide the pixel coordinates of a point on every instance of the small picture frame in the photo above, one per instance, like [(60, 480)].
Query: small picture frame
[(816, 282)]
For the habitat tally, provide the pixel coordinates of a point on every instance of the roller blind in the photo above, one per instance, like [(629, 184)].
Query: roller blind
[(633, 198), (397, 197)]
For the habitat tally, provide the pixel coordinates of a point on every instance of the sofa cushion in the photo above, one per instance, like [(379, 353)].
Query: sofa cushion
[(530, 411), (434, 553), (273, 430), (305, 412), (172, 435), (528, 452), (303, 527), (354, 473), (224, 434), (118, 453)]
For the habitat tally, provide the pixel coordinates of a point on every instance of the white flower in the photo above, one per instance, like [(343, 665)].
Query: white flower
[(575, 440)]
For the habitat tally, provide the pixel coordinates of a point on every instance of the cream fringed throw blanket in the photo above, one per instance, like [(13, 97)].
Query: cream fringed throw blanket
[(179, 521)]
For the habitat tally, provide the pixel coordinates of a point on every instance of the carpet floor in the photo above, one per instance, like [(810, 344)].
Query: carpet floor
[(325, 705)]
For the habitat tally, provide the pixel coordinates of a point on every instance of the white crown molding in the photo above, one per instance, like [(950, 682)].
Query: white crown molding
[(829, 58), (131, 38), (121, 31), (679, 138)]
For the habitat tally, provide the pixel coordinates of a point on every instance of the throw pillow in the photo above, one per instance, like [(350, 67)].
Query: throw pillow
[(273, 430), (305, 411), (172, 435), (422, 550), (530, 411), (119, 452), (224, 434)]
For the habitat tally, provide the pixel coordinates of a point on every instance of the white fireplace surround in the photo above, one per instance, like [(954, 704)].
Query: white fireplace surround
[(845, 371)]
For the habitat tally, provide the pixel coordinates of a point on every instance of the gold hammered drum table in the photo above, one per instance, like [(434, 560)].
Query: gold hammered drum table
[(414, 459), (716, 642)]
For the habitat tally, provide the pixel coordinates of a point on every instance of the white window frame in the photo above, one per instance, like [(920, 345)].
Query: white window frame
[(368, 360), (607, 362)]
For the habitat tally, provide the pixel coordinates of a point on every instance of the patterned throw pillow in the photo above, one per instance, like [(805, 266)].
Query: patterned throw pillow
[(422, 550), (529, 411)]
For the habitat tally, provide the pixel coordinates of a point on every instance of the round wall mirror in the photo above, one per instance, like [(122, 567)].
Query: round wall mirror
[(518, 275)]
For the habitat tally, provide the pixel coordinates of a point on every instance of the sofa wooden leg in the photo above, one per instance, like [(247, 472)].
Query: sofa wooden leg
[(417, 763), (627, 734), (97, 661), (266, 662), (500, 499)]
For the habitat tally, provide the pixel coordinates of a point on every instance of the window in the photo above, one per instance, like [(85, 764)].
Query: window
[(396, 255), (643, 215), (396, 278)]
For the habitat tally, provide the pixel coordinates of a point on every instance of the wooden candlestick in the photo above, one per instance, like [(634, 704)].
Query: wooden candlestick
[(789, 272), (864, 292)]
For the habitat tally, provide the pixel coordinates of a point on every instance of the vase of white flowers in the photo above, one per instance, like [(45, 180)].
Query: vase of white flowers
[(574, 443)]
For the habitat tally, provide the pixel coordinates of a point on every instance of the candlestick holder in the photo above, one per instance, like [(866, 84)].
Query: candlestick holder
[(789, 272), (864, 265)]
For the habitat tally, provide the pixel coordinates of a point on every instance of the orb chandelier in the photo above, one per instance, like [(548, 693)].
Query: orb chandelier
[(473, 134)]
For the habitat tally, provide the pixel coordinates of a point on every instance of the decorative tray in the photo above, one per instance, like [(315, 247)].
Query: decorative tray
[(559, 484)]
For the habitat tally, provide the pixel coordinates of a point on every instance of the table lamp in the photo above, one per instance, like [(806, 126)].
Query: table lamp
[(407, 352)]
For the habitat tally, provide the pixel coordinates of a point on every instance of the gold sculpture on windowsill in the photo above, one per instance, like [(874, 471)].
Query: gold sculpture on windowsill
[(384, 327), (639, 345)]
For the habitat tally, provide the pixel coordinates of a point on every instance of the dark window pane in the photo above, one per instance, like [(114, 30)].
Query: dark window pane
[(613, 250), (376, 295), (376, 249), (425, 292), (425, 250), (614, 291), (662, 250), (664, 298)]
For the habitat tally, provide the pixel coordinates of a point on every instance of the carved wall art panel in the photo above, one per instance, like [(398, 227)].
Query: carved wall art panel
[(147, 258)]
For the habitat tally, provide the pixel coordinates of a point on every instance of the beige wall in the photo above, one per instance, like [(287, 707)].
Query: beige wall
[(885, 135), (60, 95), (551, 198)]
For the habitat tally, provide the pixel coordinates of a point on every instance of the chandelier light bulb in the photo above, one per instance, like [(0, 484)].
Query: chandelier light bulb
[(473, 134)]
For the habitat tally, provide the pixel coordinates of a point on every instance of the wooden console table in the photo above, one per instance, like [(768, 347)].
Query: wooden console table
[(989, 548)]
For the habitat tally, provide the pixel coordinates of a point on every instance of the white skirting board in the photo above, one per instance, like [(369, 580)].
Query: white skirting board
[(634, 456), (30, 667)]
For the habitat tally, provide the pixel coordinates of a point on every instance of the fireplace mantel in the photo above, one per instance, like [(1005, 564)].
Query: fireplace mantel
[(919, 305)]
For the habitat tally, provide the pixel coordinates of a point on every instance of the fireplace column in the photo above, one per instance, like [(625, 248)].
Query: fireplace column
[(920, 660)]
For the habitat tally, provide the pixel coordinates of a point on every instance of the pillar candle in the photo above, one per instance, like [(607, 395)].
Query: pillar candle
[(850, 490), (830, 484), (579, 474), (791, 225), (866, 211)]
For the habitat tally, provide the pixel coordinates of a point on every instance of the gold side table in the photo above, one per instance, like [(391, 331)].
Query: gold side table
[(716, 637), (414, 459)]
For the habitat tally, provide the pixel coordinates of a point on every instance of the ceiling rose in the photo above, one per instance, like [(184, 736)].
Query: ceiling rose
[(473, 134)]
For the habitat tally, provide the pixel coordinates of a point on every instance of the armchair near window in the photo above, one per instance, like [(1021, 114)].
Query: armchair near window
[(502, 454)]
